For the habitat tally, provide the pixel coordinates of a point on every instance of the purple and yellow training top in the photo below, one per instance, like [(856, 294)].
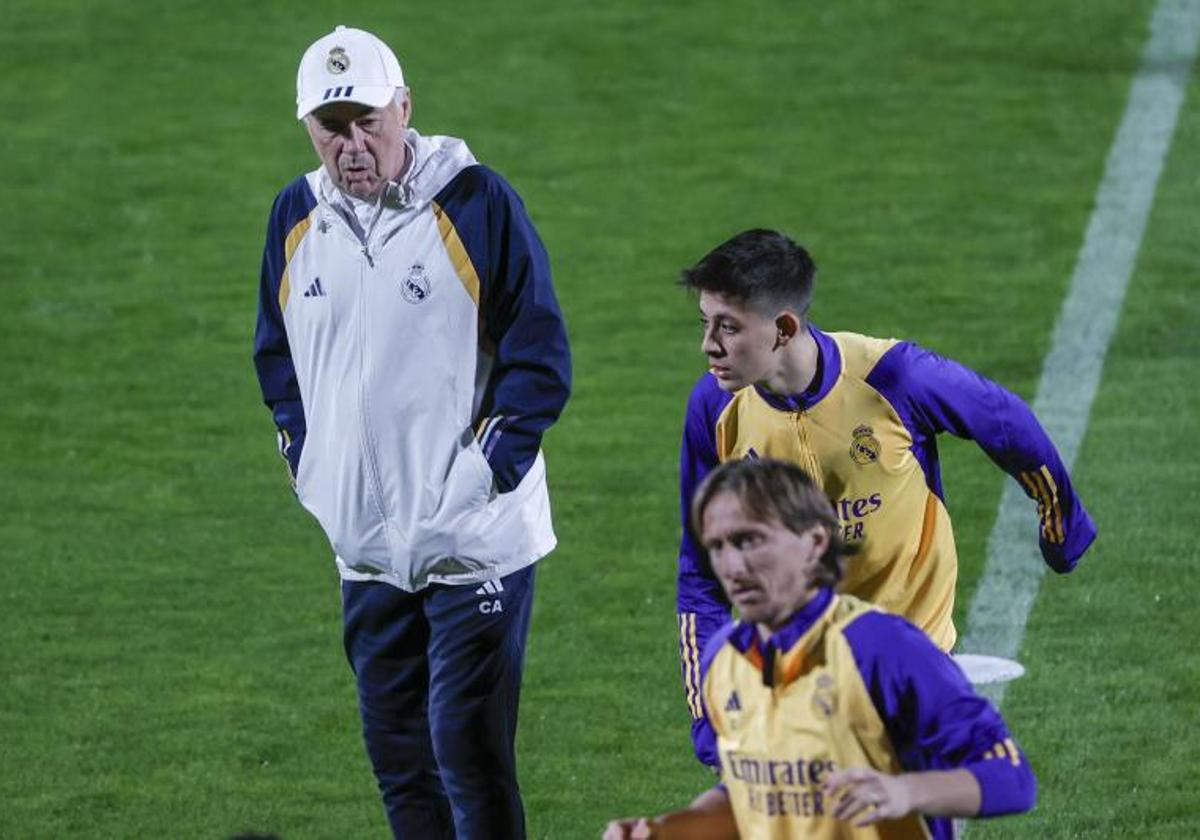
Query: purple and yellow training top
[(866, 430), (845, 685)]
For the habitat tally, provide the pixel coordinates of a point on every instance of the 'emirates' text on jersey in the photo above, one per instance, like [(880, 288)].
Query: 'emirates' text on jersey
[(845, 685), (865, 430)]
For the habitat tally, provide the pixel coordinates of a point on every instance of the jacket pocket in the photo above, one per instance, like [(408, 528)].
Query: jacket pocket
[(468, 486)]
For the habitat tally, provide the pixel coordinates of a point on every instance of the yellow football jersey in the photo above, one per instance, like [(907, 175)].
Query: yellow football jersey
[(856, 448), (866, 430), (846, 685)]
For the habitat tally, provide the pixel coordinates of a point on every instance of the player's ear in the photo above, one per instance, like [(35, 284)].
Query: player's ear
[(787, 327), (821, 539), (403, 100)]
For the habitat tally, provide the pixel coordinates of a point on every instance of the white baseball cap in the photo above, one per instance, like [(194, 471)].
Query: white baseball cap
[(347, 65)]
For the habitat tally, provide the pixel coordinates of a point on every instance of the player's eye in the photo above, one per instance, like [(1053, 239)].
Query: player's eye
[(728, 329), (745, 541)]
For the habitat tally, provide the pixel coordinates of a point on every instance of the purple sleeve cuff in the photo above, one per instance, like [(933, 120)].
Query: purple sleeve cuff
[(1004, 789)]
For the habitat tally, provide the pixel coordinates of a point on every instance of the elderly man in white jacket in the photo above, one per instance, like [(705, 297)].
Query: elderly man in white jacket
[(412, 352)]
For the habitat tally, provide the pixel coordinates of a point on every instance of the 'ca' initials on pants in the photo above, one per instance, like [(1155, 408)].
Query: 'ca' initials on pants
[(490, 606)]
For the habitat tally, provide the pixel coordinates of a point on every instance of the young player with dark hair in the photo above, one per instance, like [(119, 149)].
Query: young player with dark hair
[(833, 718), (861, 415)]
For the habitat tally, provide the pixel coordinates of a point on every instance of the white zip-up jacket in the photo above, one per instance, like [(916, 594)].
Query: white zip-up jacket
[(411, 368)]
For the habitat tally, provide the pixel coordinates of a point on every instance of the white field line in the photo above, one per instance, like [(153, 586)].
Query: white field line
[(1071, 372)]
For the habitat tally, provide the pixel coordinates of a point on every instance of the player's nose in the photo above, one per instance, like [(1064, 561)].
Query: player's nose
[(356, 139), (729, 561)]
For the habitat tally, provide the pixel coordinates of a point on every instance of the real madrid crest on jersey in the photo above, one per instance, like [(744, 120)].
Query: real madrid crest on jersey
[(824, 700), (415, 286), (864, 449), (338, 62)]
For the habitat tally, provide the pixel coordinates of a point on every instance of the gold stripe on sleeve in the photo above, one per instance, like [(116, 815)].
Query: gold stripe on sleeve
[(1058, 528), (459, 257), (699, 711), (691, 688), (1014, 754), (290, 244), (1030, 480), (1048, 505)]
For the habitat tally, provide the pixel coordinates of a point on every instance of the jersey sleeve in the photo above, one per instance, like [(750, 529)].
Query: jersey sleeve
[(289, 220), (701, 606), (933, 716), (933, 394), (521, 321)]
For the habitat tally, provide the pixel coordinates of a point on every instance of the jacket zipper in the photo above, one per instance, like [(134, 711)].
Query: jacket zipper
[(807, 458), (367, 436)]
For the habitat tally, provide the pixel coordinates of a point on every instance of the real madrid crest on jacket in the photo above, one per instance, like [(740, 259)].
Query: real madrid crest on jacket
[(845, 685), (865, 430), (430, 470)]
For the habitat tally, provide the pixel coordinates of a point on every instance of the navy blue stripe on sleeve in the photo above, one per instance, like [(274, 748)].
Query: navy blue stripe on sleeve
[(531, 374), (272, 353)]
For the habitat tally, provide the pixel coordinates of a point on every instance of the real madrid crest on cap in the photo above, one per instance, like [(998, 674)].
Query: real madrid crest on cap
[(864, 449), (415, 287), (338, 61)]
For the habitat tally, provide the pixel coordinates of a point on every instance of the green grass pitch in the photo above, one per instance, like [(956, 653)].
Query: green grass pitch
[(170, 661)]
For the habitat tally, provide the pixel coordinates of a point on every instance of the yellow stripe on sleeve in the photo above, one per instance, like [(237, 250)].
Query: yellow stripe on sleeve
[(1058, 529), (459, 257), (1014, 754), (1048, 505), (1039, 491), (698, 708), (290, 244), (690, 683)]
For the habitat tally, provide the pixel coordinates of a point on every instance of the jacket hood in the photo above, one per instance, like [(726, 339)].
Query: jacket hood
[(436, 160)]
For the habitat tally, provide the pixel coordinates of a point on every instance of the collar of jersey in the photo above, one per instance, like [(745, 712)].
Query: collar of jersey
[(782, 648), (829, 368)]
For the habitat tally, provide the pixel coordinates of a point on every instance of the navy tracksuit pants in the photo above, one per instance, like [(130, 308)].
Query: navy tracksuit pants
[(439, 677)]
